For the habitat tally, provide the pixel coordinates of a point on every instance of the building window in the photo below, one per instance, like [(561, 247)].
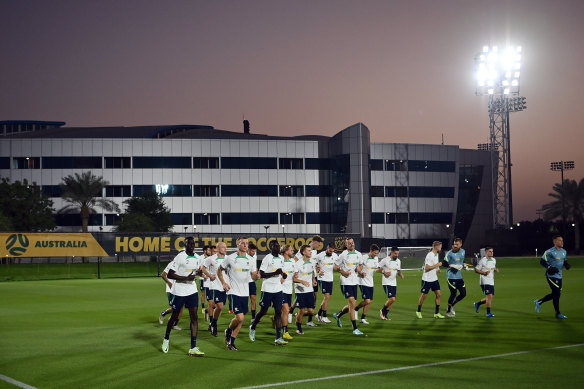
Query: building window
[(206, 190), (181, 218), (26, 163), (396, 218), (4, 162), (206, 218), (318, 191), (318, 163), (117, 162), (377, 191), (318, 218), (165, 190), (291, 163), (396, 165), (396, 191), (376, 164), (430, 218), (74, 219), (52, 190), (291, 218), (432, 191), (432, 166), (248, 163), (206, 163), (249, 191), (249, 218), (118, 191), (162, 162), (71, 162), (377, 218), (291, 191)]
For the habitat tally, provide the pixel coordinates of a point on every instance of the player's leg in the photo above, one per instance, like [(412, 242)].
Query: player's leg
[(252, 299), (452, 288), (556, 287), (277, 303), (299, 318), (437, 314), (461, 287)]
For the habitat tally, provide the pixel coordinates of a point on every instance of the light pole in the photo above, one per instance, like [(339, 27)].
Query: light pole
[(195, 231), (497, 74), (266, 227), (561, 166), (284, 231)]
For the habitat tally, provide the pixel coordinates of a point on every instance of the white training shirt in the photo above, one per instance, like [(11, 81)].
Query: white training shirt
[(212, 263), (484, 265), (326, 265), (390, 265), (237, 269), (183, 265), (254, 266), (269, 265), (305, 271), (166, 269), (431, 259), (202, 258), (348, 261), (288, 267), (369, 267)]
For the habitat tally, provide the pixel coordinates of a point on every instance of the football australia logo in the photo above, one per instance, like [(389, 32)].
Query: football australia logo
[(16, 244)]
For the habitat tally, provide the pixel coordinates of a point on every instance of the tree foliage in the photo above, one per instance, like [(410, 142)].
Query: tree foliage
[(148, 206), (82, 192), (24, 207), (572, 206)]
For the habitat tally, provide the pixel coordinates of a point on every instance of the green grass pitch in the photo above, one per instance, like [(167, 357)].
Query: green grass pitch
[(105, 333)]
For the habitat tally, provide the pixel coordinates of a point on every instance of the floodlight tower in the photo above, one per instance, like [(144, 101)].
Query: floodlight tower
[(497, 74), (561, 166)]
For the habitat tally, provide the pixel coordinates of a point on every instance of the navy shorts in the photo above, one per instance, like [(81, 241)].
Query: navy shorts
[(488, 289), (349, 291), (190, 301), (252, 288), (305, 300), (366, 292), (238, 303), (274, 299), (455, 283), (219, 296), (326, 287), (287, 299), (315, 287), (390, 290), (170, 296), (209, 294), (201, 280), (427, 286)]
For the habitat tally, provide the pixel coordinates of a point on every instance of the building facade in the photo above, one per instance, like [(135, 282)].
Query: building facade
[(217, 181)]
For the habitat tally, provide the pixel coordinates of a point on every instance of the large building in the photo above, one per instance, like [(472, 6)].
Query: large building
[(237, 182)]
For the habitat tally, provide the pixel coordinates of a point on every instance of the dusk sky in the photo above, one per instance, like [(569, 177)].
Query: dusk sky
[(403, 68)]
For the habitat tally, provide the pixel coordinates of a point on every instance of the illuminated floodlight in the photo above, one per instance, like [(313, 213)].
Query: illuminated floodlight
[(497, 70)]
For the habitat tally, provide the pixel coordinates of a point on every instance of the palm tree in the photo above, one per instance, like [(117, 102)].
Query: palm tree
[(572, 194), (82, 192)]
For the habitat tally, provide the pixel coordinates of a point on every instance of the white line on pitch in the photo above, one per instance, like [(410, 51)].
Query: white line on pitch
[(333, 377), (16, 383)]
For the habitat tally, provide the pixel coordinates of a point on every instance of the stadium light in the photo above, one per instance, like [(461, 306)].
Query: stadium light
[(561, 166), (497, 71)]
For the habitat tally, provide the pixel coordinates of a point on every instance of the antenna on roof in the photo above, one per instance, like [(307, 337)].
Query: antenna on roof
[(245, 124)]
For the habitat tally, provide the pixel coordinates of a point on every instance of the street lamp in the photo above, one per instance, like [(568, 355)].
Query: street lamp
[(284, 230), (266, 227), (561, 166), (497, 72)]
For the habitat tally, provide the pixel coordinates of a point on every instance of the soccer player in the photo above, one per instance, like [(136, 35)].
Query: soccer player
[(325, 261), (349, 264), (390, 268), (370, 264), (486, 267), (237, 266), (207, 252), (216, 293), (554, 260), (454, 261), (170, 297), (252, 252), (315, 242), (272, 275), (304, 287), (184, 289), (288, 268), (430, 279)]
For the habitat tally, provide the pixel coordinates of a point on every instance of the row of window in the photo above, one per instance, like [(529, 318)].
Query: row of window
[(413, 191), (411, 218), (412, 165), (207, 190)]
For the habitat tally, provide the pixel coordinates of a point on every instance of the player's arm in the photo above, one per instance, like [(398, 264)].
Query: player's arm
[(545, 263), (445, 261), (432, 267), (296, 280), (567, 265), (173, 276), (278, 272), (226, 286), (165, 278), (212, 277), (480, 271)]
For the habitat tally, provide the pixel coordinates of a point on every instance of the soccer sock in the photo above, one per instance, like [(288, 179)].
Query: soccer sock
[(202, 305), (253, 324), (253, 314), (363, 316), (278, 333), (285, 328), (354, 323), (167, 335), (419, 308), (357, 308), (324, 313), (309, 318), (175, 323), (232, 341), (163, 313), (340, 313), (320, 312), (437, 309), (480, 303), (193, 341), (384, 310), (228, 332), (211, 321), (299, 326), (449, 308), (488, 310), (292, 310), (556, 302)]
